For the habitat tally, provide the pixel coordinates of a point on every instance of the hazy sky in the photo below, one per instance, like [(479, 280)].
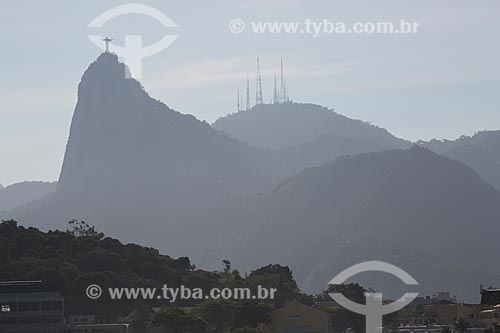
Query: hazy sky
[(441, 82)]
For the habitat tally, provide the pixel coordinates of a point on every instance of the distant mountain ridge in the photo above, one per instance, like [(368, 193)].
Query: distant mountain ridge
[(276, 126), (388, 205), (19, 194), (481, 152), (303, 135)]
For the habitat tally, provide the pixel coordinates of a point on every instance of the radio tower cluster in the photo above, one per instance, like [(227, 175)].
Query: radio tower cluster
[(280, 94)]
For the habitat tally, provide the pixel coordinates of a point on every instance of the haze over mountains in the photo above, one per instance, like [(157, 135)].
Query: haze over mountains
[(290, 183), (19, 194), (277, 126), (120, 133), (304, 135), (141, 171), (402, 206), (481, 152)]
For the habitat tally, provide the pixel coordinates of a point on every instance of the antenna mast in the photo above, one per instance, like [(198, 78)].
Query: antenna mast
[(248, 94), (238, 100), (275, 94), (258, 83), (282, 96)]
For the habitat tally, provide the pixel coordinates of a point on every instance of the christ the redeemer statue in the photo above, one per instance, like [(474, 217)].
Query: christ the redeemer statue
[(106, 41)]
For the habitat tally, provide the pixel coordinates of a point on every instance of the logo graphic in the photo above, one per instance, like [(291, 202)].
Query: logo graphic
[(93, 291), (374, 310), (133, 52), (236, 26)]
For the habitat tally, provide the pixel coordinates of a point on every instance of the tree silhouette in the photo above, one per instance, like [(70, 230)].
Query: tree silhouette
[(82, 229)]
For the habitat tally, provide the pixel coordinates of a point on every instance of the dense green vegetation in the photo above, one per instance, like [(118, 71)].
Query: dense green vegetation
[(74, 259), (81, 256)]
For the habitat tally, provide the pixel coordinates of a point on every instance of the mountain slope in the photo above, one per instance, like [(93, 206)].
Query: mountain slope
[(19, 194), (322, 150), (481, 152), (275, 126), (123, 140), (305, 135), (409, 204), (135, 167)]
